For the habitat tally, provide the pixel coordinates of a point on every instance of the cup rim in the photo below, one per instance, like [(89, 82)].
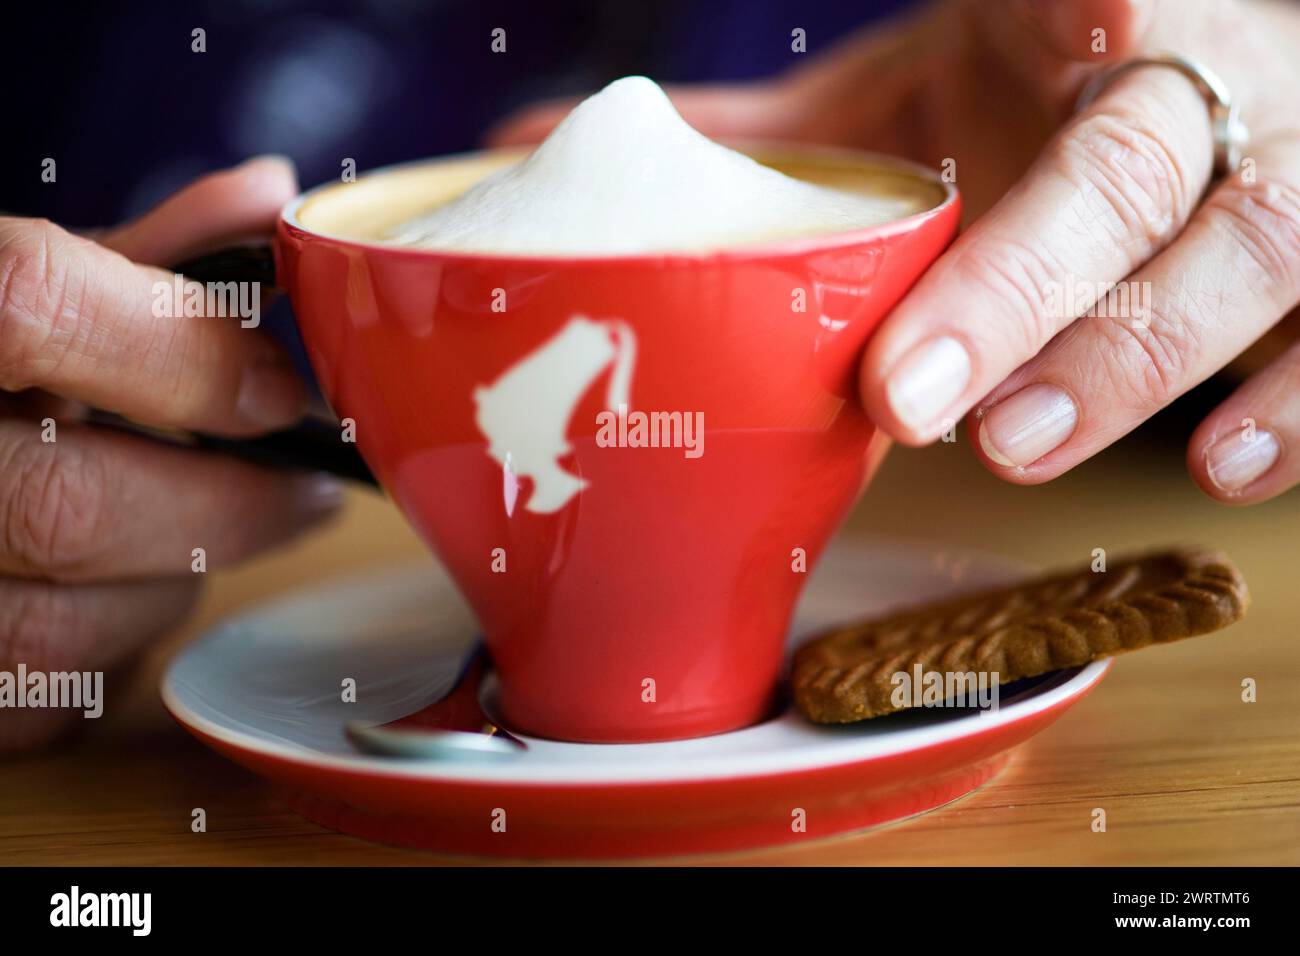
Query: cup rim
[(775, 249)]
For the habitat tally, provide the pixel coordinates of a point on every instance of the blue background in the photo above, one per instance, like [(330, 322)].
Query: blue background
[(113, 92)]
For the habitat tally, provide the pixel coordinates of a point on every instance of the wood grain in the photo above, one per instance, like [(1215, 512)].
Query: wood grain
[(1186, 771)]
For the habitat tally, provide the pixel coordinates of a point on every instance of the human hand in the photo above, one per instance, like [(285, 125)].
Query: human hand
[(1028, 321), (98, 528)]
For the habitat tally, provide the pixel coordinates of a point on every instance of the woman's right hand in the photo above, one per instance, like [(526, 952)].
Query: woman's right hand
[(1113, 204)]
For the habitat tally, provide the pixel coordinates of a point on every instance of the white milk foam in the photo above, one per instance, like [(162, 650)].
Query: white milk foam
[(624, 173)]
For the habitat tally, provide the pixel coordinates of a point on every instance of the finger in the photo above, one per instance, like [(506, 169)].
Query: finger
[(1231, 275), (82, 321), (1246, 449), (1087, 31), (1112, 189), (96, 504), (85, 628), (219, 210), (530, 125), (730, 111), (1049, 46)]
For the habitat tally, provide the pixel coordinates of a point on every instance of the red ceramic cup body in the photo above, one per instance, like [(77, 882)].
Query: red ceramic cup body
[(627, 592)]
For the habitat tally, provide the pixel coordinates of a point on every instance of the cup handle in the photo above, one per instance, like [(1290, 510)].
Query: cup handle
[(312, 445), (253, 263)]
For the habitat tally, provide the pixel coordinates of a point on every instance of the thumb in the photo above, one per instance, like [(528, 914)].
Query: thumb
[(219, 209)]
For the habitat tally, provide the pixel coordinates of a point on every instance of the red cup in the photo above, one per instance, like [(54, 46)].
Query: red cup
[(627, 592)]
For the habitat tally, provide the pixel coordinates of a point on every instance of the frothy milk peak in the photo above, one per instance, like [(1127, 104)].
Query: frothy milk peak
[(624, 173)]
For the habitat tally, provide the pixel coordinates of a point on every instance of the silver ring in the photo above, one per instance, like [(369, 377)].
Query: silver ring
[(1229, 132)]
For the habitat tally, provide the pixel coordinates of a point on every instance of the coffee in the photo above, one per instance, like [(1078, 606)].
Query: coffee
[(625, 174)]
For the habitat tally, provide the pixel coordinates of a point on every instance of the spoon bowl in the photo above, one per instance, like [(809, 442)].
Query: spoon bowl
[(453, 727)]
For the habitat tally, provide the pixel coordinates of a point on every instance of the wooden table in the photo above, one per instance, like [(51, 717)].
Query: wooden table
[(1187, 772)]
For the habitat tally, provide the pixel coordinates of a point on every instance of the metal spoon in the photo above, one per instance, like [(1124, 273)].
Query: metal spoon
[(451, 728)]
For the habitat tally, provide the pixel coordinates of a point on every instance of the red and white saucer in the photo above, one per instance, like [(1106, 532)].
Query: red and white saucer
[(265, 690)]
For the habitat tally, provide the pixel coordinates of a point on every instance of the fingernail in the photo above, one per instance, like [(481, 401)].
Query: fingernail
[(1239, 457), (270, 395), (1019, 430), (927, 381), (271, 159), (318, 493), (274, 175)]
